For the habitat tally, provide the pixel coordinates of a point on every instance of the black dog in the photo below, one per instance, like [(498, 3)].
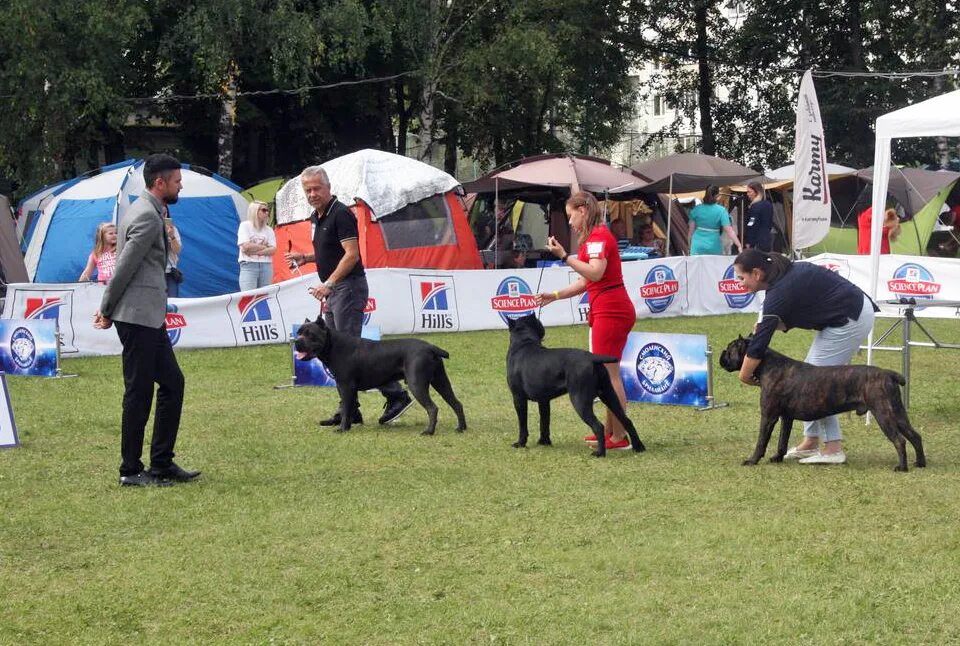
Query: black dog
[(539, 374), (791, 389), (360, 364)]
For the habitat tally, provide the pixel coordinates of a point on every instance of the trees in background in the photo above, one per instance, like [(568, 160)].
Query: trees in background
[(492, 79)]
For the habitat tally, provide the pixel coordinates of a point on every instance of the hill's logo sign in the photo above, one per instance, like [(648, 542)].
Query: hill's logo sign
[(913, 281), (514, 299), (437, 309), (175, 323), (736, 295), (49, 306), (655, 368), (256, 319), (659, 288)]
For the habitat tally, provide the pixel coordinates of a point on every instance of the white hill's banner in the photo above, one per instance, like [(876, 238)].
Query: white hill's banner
[(404, 301)]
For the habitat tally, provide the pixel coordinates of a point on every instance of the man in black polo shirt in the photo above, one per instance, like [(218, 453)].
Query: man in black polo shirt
[(336, 250)]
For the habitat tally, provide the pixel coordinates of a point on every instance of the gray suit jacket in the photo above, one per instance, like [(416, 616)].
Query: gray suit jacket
[(137, 292)]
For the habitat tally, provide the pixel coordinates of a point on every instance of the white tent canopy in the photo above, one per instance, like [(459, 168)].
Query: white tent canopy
[(936, 117), (383, 181)]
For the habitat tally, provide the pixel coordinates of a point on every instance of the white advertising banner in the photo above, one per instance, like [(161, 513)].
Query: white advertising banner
[(416, 301), (811, 192)]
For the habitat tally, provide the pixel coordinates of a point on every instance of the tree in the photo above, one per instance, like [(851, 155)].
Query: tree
[(64, 75)]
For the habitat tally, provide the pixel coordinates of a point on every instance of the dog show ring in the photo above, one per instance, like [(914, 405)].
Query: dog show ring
[(907, 319)]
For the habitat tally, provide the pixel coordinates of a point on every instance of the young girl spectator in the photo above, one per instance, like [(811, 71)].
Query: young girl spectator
[(257, 243), (612, 314), (104, 254)]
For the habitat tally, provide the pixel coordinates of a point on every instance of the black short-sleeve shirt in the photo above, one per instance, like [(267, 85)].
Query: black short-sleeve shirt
[(330, 230)]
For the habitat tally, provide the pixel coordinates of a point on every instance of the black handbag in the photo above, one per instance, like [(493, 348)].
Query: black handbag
[(176, 275)]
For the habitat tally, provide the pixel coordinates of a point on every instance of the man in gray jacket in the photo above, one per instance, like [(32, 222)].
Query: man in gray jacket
[(136, 300)]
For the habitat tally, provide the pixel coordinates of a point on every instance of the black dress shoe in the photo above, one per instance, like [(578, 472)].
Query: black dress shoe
[(394, 408), (334, 420), (174, 473), (144, 479)]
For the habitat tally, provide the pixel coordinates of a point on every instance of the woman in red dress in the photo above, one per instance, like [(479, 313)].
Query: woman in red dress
[(612, 314)]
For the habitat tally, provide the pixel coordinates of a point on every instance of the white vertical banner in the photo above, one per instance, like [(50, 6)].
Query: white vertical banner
[(811, 191)]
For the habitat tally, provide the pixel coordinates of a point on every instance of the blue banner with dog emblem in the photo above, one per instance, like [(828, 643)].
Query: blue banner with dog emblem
[(665, 369), (28, 347), (313, 372)]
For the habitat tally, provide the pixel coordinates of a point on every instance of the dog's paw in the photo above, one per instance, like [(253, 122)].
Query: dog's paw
[(776, 458), (461, 429), (518, 445), (920, 464), (900, 469), (597, 454), (341, 430), (749, 463), (639, 448), (544, 442), (428, 431)]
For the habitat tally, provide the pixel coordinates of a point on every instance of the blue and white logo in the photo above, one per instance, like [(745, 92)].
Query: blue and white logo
[(659, 288), (23, 347), (655, 368), (736, 295)]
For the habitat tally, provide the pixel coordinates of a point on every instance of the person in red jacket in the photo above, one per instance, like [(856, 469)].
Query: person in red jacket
[(891, 230), (612, 314)]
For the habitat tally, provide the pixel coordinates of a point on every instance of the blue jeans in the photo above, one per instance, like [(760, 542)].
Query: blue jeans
[(255, 274), (835, 346)]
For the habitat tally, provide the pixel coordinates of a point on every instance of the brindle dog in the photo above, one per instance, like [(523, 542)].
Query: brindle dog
[(791, 389)]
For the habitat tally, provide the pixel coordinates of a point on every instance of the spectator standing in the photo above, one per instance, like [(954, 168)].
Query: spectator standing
[(757, 232), (172, 273), (104, 254), (257, 243), (706, 222)]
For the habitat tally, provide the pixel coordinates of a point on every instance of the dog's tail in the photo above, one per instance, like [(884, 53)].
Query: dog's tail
[(440, 352), (898, 378), (602, 358)]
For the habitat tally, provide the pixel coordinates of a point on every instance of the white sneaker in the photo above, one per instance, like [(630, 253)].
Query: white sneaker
[(826, 458), (795, 454)]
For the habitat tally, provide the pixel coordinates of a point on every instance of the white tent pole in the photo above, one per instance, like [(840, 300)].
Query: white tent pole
[(881, 178)]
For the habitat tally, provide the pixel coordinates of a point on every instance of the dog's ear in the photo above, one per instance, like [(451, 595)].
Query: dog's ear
[(319, 320)]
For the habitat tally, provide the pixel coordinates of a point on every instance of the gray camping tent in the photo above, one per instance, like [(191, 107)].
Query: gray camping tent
[(11, 260)]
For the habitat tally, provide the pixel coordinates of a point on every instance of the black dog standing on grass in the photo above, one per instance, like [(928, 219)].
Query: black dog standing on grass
[(791, 389), (540, 374), (361, 364)]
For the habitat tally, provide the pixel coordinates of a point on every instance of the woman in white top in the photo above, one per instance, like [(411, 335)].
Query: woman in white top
[(257, 244)]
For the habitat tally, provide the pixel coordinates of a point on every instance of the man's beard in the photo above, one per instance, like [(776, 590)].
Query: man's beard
[(172, 200)]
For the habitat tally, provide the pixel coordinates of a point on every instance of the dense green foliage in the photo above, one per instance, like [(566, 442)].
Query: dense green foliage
[(492, 79), (296, 535)]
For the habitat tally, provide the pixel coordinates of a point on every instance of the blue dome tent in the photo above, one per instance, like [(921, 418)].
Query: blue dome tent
[(207, 215)]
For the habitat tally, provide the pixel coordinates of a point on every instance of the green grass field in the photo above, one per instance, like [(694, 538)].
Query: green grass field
[(296, 535)]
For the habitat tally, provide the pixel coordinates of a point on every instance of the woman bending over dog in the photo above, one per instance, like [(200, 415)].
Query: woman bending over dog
[(806, 296), (612, 314)]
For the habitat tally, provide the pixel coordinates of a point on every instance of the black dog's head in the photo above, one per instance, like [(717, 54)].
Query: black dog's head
[(731, 359), (526, 328), (313, 340)]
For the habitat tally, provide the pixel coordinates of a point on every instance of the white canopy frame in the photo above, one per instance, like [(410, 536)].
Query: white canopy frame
[(936, 117)]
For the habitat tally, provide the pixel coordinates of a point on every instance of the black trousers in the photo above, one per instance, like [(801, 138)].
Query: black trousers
[(345, 314), (148, 358)]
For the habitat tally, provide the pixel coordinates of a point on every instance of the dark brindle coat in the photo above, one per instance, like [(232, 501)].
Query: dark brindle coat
[(791, 389)]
